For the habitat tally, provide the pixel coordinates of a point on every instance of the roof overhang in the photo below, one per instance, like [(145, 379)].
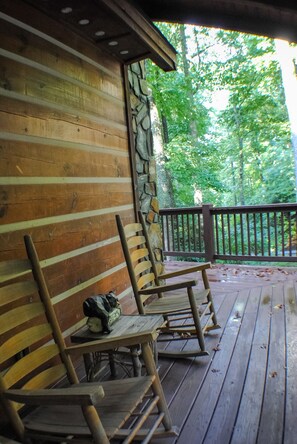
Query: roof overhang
[(115, 26), (272, 18)]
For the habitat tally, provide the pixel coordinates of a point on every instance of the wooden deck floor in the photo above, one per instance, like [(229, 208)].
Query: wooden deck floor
[(245, 391)]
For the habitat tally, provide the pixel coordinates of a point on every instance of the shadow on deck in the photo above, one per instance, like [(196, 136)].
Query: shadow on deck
[(245, 391)]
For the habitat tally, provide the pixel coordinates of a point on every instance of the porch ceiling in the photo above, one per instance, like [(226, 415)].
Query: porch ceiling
[(273, 18), (115, 26)]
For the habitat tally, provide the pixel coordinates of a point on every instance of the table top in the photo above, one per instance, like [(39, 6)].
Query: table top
[(126, 324)]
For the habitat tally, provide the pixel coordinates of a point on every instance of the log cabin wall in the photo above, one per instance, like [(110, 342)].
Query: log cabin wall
[(66, 148), (64, 158)]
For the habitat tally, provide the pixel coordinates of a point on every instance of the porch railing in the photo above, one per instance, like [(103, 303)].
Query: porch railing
[(246, 233)]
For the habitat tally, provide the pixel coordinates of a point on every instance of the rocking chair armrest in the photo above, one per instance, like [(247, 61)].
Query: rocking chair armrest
[(183, 271), (73, 395), (168, 287), (113, 343)]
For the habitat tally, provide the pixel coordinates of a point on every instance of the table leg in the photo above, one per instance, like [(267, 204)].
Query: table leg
[(137, 366), (112, 366), (89, 363)]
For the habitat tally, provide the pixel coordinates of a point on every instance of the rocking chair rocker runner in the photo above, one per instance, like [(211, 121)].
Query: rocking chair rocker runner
[(177, 309), (82, 412)]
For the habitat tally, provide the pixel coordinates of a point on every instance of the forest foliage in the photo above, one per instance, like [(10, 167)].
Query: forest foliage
[(225, 129)]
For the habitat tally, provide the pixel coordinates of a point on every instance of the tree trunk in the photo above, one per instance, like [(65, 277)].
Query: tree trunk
[(234, 183), (241, 171), (165, 129), (186, 69), (286, 60), (241, 155), (165, 189)]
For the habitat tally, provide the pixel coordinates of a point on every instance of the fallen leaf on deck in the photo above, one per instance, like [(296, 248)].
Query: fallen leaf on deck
[(278, 306), (214, 370), (273, 374)]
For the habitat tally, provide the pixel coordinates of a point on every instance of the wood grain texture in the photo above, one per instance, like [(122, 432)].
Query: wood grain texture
[(221, 426), (249, 412), (46, 122), (226, 397), (29, 363), (12, 268), (51, 200), (272, 415), (200, 416), (291, 364), (31, 46), (64, 166), (51, 32), (61, 162), (19, 316), (20, 341), (16, 291), (65, 275), (48, 86), (56, 239)]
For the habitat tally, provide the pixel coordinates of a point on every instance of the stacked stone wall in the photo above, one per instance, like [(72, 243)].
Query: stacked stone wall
[(144, 156)]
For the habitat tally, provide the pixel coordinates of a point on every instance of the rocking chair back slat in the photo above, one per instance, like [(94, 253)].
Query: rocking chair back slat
[(20, 315), (146, 279), (131, 229), (23, 340), (29, 363), (14, 268), (17, 291), (151, 297), (139, 254), (35, 359), (135, 241)]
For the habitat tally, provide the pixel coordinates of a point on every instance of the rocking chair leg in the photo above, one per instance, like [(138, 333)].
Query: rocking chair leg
[(94, 423), (209, 297), (150, 365), (196, 319)]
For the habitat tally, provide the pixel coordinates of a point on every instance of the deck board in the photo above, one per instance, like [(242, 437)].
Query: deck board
[(272, 415), (290, 432), (245, 392), (249, 411), (223, 419)]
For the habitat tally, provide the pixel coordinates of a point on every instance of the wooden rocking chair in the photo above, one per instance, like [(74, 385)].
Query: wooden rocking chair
[(178, 309), (36, 358)]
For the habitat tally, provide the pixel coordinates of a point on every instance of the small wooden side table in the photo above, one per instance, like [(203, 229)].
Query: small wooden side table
[(126, 324)]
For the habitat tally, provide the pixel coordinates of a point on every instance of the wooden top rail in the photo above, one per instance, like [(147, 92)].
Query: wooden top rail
[(240, 209), (244, 233)]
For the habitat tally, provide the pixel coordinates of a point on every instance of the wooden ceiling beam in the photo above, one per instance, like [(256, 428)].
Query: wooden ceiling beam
[(161, 52)]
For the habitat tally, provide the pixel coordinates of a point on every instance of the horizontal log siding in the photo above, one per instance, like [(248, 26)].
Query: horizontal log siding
[(64, 159)]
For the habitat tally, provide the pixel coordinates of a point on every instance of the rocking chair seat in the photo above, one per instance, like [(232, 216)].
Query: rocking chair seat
[(174, 303), (38, 360), (187, 312), (120, 400)]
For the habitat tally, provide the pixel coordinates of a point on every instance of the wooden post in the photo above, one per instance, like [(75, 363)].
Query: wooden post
[(208, 232)]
